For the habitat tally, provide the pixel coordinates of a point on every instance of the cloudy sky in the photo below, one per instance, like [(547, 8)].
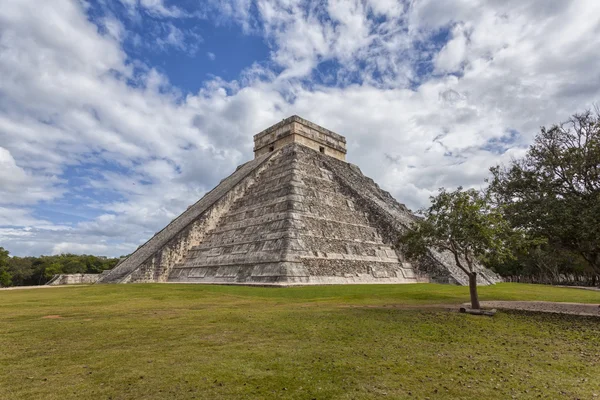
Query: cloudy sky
[(115, 115)]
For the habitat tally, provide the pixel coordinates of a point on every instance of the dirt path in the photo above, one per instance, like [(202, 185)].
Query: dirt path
[(584, 309), (580, 287), (546, 306)]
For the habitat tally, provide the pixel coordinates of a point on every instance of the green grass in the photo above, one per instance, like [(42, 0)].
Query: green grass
[(329, 342)]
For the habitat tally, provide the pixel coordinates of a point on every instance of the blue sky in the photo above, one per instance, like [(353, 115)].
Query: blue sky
[(188, 50), (115, 115)]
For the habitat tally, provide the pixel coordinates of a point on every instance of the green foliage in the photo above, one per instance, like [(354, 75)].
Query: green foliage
[(20, 271), (544, 263), (53, 269), (553, 193), (5, 276), (464, 223)]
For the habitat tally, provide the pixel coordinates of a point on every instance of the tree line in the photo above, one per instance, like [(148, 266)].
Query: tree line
[(26, 271), (538, 219), (552, 195)]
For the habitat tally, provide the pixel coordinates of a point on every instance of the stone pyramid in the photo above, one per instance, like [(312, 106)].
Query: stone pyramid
[(296, 214)]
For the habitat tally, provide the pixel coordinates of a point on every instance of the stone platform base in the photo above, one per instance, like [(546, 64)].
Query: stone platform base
[(73, 279)]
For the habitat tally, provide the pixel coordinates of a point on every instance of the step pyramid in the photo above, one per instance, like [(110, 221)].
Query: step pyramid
[(296, 214)]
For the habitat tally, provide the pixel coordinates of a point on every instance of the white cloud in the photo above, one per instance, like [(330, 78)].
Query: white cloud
[(156, 8), (114, 28), (174, 37), (391, 8), (79, 248), (16, 216), (211, 56), (227, 11), (68, 102), (20, 187), (449, 59)]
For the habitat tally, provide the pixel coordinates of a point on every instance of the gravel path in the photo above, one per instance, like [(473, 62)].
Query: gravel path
[(580, 287), (546, 306)]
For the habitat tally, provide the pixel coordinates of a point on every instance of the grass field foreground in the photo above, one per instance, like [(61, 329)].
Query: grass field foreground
[(329, 342)]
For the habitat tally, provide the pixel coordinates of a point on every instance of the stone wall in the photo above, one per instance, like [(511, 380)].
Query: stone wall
[(301, 131), (73, 279)]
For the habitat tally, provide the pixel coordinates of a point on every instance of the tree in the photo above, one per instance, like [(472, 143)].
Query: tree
[(74, 265), (542, 262), (5, 275), (18, 271), (554, 191), (53, 269), (21, 270), (464, 224)]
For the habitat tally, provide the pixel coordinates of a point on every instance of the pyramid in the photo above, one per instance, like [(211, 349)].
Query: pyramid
[(298, 214)]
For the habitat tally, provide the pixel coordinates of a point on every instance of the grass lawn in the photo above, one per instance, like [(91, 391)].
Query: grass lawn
[(331, 342)]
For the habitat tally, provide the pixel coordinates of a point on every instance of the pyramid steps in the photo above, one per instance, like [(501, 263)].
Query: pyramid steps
[(282, 219), (153, 260), (296, 214)]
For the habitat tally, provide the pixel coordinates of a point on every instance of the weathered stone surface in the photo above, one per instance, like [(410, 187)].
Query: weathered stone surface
[(392, 219), (298, 130), (294, 215), (153, 261), (73, 279), (294, 226)]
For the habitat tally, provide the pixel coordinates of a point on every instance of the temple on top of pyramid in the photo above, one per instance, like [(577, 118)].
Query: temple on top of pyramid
[(298, 130), (297, 214)]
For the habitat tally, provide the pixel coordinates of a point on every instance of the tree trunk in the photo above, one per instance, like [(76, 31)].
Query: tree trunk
[(473, 290)]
